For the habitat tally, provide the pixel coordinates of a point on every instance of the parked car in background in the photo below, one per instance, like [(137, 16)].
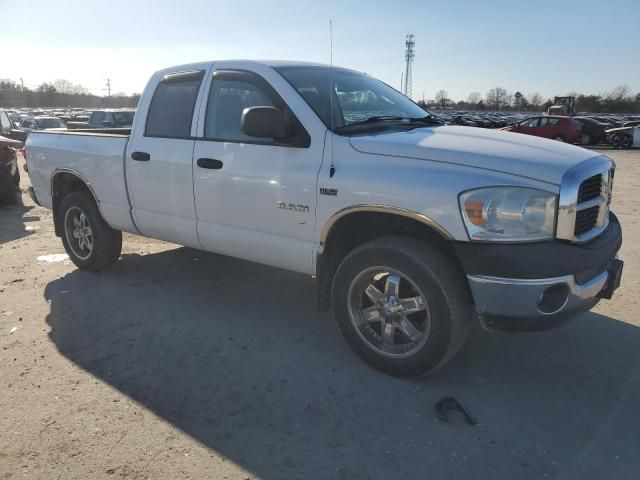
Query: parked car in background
[(35, 124), (106, 119), (562, 129), (592, 131), (9, 172), (624, 137)]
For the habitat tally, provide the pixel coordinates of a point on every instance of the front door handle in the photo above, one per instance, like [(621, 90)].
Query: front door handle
[(211, 163), (141, 156)]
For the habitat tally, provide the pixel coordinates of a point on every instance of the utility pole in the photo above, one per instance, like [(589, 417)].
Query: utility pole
[(24, 104), (409, 55), (402, 82), (108, 89)]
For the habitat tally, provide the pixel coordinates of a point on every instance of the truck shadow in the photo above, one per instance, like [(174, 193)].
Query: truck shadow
[(233, 354)]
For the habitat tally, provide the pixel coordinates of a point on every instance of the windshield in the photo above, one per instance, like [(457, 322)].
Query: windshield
[(45, 123), (357, 97), (123, 118)]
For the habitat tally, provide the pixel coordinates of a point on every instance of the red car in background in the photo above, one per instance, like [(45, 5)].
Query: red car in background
[(563, 129)]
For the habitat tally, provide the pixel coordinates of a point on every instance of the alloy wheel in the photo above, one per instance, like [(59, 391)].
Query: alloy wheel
[(78, 233), (389, 312)]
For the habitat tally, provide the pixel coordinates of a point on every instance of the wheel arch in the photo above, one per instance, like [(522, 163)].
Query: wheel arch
[(353, 226), (63, 182)]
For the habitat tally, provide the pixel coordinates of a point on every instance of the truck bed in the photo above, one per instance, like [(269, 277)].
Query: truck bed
[(96, 156)]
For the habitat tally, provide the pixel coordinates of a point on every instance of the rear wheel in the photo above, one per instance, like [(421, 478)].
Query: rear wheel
[(586, 139), (559, 138), (90, 243), (402, 305)]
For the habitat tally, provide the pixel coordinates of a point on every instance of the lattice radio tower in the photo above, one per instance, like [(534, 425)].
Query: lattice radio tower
[(409, 55)]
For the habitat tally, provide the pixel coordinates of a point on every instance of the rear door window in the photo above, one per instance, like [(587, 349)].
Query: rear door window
[(171, 110)]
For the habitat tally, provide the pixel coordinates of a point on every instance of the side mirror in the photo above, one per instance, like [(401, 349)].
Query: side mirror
[(264, 122)]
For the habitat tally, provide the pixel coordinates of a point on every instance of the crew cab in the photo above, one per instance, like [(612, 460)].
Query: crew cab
[(412, 229)]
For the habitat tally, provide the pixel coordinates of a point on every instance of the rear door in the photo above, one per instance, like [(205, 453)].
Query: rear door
[(159, 160)]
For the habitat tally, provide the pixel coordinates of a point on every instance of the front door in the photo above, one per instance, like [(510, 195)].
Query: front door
[(255, 198), (159, 162)]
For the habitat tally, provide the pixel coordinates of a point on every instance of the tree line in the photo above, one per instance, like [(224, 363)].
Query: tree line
[(60, 93), (618, 100)]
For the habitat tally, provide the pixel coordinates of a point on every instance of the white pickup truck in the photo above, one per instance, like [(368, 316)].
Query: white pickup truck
[(412, 228)]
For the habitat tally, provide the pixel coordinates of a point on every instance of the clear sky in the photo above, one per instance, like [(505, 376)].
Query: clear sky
[(549, 47)]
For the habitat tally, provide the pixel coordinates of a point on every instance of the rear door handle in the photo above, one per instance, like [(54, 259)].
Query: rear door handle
[(141, 156), (211, 163)]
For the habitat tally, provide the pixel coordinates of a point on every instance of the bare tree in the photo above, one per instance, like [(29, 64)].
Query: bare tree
[(63, 86), (474, 98), (621, 93), (497, 97), (619, 99), (535, 100), (80, 90), (442, 98)]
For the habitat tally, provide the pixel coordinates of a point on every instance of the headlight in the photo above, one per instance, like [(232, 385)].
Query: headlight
[(508, 214)]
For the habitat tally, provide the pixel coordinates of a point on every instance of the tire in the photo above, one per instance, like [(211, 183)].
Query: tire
[(625, 141), (438, 330), (616, 142), (586, 139), (77, 211), (559, 138), (8, 193)]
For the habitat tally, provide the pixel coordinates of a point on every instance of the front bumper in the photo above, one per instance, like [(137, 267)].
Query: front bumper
[(538, 286), (532, 304)]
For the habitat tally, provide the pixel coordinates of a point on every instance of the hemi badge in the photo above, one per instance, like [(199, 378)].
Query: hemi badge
[(329, 191)]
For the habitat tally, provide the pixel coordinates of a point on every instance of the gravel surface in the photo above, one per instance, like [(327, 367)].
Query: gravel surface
[(180, 364)]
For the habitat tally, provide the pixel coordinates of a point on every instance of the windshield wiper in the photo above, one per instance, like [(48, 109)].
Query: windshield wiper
[(410, 121)]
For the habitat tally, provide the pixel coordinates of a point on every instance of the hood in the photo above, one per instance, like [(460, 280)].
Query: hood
[(514, 153)]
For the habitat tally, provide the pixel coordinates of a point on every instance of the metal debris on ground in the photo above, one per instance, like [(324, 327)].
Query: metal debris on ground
[(448, 404)]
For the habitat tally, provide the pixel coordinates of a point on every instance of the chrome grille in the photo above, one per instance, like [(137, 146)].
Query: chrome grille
[(585, 192), (590, 188), (586, 219)]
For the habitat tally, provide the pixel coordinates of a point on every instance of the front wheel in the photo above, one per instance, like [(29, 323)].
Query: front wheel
[(402, 305), (90, 243)]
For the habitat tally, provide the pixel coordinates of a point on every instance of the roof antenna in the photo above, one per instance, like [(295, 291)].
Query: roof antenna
[(332, 169)]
